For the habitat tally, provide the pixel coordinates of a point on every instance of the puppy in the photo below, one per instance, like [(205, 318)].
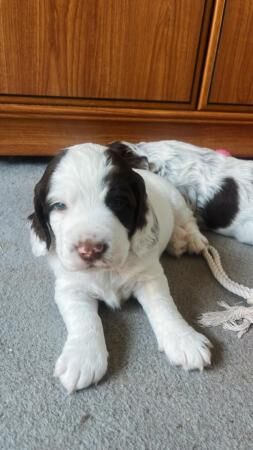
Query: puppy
[(103, 226), (219, 188)]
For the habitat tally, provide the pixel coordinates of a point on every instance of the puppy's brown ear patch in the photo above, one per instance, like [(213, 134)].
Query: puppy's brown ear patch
[(132, 159)]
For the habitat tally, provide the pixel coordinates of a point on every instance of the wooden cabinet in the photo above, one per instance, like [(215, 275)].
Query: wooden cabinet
[(101, 70)]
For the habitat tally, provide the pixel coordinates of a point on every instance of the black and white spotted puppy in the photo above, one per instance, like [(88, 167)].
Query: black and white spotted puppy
[(219, 188), (103, 226)]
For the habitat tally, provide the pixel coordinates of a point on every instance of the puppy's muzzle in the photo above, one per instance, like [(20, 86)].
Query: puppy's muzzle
[(90, 251)]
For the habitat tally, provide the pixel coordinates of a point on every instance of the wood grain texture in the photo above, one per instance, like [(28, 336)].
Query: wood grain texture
[(36, 137), (113, 49), (232, 79)]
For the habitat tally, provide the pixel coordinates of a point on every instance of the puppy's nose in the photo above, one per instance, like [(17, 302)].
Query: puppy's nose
[(90, 250)]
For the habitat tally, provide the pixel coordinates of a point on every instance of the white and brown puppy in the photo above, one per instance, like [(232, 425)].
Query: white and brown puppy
[(103, 227), (219, 188)]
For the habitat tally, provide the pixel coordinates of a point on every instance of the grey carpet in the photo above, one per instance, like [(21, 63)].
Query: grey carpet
[(143, 402)]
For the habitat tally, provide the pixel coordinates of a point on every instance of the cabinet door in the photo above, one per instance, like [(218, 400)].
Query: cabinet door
[(126, 50), (229, 85)]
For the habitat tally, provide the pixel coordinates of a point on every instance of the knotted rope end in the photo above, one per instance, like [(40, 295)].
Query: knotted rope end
[(234, 318)]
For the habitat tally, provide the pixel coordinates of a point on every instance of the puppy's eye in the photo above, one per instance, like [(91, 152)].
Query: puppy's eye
[(58, 206)]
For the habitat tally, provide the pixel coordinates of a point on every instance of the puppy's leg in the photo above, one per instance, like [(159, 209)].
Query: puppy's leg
[(186, 236), (83, 360), (182, 344)]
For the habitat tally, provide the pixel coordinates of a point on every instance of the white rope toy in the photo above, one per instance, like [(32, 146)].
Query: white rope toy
[(236, 318)]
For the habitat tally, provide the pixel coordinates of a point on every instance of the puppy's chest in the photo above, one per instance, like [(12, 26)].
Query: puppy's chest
[(113, 288)]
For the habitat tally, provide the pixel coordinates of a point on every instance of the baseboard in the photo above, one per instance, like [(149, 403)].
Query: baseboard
[(36, 130)]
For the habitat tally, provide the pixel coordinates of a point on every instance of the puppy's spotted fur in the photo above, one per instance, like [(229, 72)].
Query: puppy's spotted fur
[(219, 188)]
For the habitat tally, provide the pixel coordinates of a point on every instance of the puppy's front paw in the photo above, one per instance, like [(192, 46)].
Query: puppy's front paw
[(190, 350), (196, 242), (82, 362)]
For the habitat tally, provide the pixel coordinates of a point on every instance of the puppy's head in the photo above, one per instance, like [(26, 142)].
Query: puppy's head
[(87, 207)]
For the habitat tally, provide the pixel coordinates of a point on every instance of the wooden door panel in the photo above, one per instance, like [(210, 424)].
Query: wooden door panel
[(231, 82), (103, 49)]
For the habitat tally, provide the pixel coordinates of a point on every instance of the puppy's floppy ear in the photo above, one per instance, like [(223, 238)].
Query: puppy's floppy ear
[(39, 221), (41, 232), (128, 153)]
